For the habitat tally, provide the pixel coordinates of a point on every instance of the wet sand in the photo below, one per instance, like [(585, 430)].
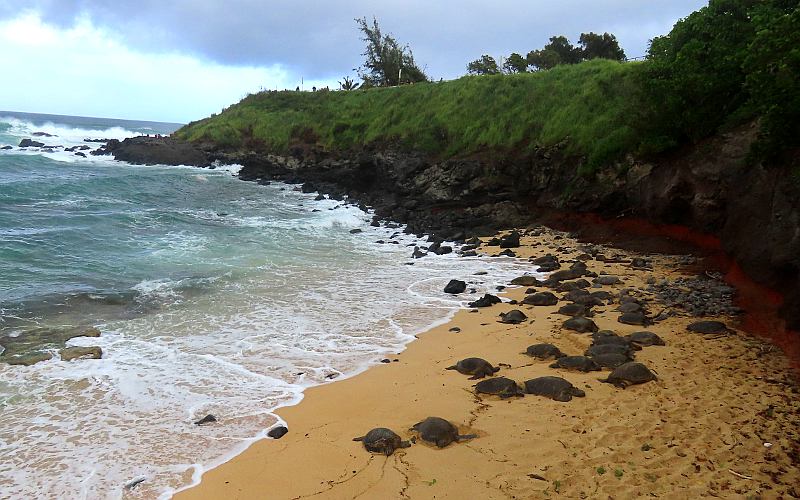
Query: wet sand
[(723, 419)]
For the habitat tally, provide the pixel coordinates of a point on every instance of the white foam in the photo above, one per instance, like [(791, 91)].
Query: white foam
[(332, 307)]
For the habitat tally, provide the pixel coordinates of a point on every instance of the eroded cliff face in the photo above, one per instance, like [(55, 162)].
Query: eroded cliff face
[(709, 187), (753, 209)]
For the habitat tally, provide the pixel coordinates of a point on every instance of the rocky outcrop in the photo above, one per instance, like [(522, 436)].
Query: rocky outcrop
[(754, 210), (29, 143), (155, 151)]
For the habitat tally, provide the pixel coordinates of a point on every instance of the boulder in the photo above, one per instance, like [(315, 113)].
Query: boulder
[(455, 287), (510, 240), (70, 353), (485, 301), (28, 143), (278, 432)]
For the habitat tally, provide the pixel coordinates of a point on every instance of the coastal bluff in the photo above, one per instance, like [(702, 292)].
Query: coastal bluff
[(751, 212)]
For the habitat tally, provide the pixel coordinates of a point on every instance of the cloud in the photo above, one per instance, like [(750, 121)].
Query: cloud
[(318, 38), (184, 59), (85, 70)]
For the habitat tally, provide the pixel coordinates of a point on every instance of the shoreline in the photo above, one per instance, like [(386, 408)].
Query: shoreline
[(317, 456)]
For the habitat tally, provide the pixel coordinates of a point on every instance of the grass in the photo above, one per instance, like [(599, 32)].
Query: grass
[(591, 106)]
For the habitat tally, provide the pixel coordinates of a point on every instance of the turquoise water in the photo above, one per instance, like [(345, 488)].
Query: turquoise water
[(212, 295)]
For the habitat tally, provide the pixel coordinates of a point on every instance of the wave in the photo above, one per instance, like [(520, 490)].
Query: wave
[(59, 134)]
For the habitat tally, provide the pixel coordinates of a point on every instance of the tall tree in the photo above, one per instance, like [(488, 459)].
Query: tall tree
[(387, 62), (567, 53), (486, 65), (515, 64), (605, 46)]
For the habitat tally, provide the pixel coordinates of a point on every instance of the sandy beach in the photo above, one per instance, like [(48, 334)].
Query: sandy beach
[(722, 420)]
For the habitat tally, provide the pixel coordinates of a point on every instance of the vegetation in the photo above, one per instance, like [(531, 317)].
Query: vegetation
[(731, 62), (559, 50), (486, 65), (589, 104), (387, 62)]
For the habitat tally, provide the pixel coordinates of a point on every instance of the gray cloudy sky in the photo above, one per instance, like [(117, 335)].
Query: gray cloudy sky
[(224, 49)]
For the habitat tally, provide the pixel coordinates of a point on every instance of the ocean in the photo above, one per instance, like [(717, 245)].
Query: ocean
[(211, 296)]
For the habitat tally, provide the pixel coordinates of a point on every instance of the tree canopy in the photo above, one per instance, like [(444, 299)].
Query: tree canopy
[(486, 65), (387, 62)]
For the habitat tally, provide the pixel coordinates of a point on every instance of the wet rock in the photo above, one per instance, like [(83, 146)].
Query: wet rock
[(206, 420), (455, 287), (507, 253), (356, 231), (28, 143), (278, 432), (526, 281), (510, 240), (6, 148), (70, 353), (418, 254), (485, 301), (27, 359)]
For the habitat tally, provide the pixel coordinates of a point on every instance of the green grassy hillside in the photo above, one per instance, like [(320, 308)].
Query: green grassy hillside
[(592, 105)]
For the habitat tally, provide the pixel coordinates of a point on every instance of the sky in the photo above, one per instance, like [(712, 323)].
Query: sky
[(182, 60)]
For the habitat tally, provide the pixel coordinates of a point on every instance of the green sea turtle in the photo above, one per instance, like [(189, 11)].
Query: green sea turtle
[(476, 367), (579, 363), (568, 286), (629, 307), (554, 388), (611, 359), (544, 351), (580, 325), (634, 318), (630, 374), (541, 299), (439, 432), (382, 440), (513, 317), (499, 386), (598, 349), (645, 339), (708, 327), (575, 310)]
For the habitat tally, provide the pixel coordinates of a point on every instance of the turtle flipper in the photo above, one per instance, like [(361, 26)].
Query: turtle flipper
[(563, 396), (464, 437), (359, 438), (454, 367)]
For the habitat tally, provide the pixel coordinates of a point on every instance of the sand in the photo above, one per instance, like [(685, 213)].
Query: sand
[(723, 420)]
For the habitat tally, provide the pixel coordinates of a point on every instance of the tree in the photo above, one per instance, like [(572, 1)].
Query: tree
[(387, 63), (515, 64), (567, 53), (486, 65), (605, 46), (543, 59)]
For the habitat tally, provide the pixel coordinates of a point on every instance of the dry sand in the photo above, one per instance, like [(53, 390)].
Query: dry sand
[(723, 419)]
